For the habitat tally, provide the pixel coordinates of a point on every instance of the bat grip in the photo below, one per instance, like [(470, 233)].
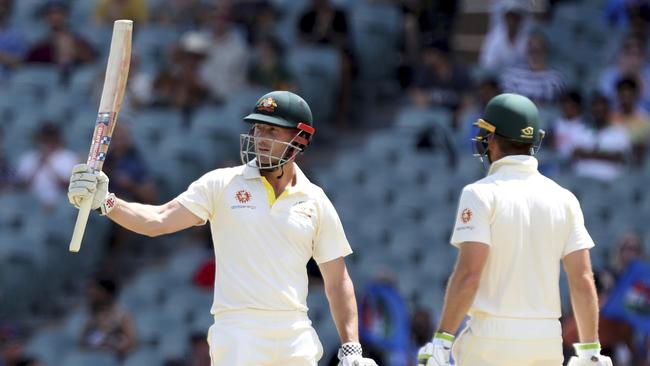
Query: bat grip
[(80, 225)]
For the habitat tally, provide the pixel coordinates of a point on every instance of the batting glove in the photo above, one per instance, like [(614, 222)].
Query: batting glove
[(86, 184), (588, 354), (438, 351), (350, 354)]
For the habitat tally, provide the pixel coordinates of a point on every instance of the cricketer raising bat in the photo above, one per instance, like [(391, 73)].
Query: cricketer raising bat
[(117, 72)]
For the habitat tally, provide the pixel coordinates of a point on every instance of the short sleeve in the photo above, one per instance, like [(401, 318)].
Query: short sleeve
[(201, 196), (330, 241), (578, 238), (472, 219)]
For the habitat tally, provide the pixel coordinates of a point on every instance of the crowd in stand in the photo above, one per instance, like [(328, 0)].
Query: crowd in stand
[(600, 131)]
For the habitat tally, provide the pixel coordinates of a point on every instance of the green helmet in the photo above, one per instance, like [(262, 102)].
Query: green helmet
[(511, 116), (281, 108)]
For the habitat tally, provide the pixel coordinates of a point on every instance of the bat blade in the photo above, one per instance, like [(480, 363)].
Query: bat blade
[(117, 72)]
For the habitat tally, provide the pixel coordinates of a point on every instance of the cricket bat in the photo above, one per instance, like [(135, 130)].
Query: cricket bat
[(117, 72)]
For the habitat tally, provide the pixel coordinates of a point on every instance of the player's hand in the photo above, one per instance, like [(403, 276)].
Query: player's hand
[(85, 184), (588, 354), (438, 351), (351, 354)]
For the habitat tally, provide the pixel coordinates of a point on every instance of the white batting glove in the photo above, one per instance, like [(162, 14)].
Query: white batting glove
[(85, 184), (351, 354), (438, 351), (588, 354)]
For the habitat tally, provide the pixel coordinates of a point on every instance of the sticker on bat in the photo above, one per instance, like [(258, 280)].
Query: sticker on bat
[(106, 140), (101, 156), (104, 118)]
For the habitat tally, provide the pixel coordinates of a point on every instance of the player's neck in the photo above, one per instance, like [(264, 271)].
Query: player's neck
[(281, 178)]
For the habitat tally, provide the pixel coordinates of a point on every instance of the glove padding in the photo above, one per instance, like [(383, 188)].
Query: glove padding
[(351, 354), (86, 184), (588, 354), (438, 351)]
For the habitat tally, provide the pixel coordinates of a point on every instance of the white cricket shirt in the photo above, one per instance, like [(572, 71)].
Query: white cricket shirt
[(530, 224), (262, 244)]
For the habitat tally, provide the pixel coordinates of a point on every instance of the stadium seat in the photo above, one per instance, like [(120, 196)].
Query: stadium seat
[(144, 356), (85, 358), (375, 30), (38, 79), (419, 119), (50, 345), (317, 72)]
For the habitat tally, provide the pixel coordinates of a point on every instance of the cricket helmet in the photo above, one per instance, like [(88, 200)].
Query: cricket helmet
[(283, 109), (510, 116)]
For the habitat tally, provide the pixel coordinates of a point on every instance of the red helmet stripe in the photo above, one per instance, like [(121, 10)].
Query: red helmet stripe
[(307, 128)]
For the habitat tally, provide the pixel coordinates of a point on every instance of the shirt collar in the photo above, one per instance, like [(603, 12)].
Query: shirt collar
[(521, 163), (251, 172)]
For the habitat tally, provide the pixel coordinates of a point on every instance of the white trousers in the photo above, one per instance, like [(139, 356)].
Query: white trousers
[(263, 338), (491, 341)]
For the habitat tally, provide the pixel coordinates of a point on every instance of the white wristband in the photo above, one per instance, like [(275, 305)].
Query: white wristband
[(587, 350), (108, 204)]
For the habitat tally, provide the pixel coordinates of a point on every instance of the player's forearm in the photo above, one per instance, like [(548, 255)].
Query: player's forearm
[(584, 300), (460, 294), (343, 306), (140, 218)]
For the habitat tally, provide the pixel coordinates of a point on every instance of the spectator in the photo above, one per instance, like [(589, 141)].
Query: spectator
[(267, 68), (199, 350), (129, 173), (181, 85), (614, 334), (6, 171), (107, 11), (421, 327), (184, 15), (535, 79), (631, 62), (109, 327), (487, 88), (12, 44), (12, 344), (602, 154), (323, 23), (224, 69), (569, 130), (28, 361), (62, 46), (628, 249), (635, 119), (258, 17), (505, 45), (439, 81), (45, 170)]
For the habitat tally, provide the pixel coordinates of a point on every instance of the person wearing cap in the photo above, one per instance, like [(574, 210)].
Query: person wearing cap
[(267, 221), (513, 229)]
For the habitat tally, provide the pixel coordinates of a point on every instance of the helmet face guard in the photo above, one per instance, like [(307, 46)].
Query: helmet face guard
[(252, 155)]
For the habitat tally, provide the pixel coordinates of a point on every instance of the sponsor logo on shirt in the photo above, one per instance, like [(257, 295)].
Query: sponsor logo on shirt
[(466, 216), (243, 196)]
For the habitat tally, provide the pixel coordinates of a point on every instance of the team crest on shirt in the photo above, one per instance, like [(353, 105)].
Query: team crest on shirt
[(267, 105), (466, 216), (243, 196)]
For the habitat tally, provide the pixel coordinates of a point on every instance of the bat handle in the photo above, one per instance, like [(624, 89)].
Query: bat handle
[(80, 225)]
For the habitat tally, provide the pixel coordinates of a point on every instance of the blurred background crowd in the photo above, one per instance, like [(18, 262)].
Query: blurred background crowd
[(394, 86)]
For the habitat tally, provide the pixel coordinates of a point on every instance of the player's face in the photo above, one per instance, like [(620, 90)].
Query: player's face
[(268, 151)]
